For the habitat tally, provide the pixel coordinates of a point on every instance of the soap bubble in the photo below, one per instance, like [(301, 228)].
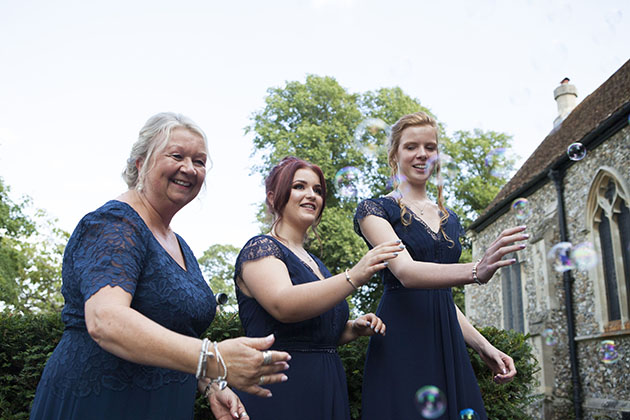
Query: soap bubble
[(550, 336), (468, 414), (496, 160), (608, 352), (347, 181), (561, 257), (584, 256), (448, 168), (430, 402), (371, 136), (521, 208), (576, 151)]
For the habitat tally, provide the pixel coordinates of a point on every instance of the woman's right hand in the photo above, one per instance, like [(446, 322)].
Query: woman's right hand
[(374, 260), (492, 259), (244, 359)]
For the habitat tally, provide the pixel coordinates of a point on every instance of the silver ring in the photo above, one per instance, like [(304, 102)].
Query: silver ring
[(261, 381), (266, 358), (243, 414)]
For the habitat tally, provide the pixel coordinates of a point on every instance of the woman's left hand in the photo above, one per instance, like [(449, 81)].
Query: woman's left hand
[(226, 405), (499, 363), (368, 324)]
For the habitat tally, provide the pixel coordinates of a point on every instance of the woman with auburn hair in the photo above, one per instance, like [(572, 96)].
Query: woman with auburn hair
[(284, 290), (427, 334)]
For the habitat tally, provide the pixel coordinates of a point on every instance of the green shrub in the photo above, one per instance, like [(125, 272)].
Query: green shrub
[(26, 342)]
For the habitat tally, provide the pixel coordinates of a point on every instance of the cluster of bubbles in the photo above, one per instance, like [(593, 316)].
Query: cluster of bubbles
[(521, 209), (608, 353), (550, 337), (565, 256), (430, 402)]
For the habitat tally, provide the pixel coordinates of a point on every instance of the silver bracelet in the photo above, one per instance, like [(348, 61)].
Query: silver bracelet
[(220, 381), (202, 364), (350, 280), (474, 273)]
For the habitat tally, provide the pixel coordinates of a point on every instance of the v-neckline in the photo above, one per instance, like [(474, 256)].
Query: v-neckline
[(181, 248), (434, 234), (301, 260)]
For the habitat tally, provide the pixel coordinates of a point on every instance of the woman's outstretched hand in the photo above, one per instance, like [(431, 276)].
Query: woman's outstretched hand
[(492, 260), (375, 260), (246, 365), (368, 324)]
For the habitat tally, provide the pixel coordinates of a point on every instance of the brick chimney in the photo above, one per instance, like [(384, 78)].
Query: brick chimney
[(566, 98)]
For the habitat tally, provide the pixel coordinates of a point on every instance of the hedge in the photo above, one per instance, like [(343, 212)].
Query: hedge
[(28, 340)]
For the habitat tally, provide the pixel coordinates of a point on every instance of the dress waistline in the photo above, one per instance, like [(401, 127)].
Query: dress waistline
[(304, 348)]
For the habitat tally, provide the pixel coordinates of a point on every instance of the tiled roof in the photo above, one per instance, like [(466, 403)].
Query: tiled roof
[(600, 105)]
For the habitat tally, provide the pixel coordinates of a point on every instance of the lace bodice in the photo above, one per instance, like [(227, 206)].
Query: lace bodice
[(322, 331), (112, 246)]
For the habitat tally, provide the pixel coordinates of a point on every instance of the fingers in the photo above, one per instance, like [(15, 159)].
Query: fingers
[(265, 380), (371, 323)]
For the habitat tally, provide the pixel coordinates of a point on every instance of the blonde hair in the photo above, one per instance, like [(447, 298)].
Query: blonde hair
[(417, 119)]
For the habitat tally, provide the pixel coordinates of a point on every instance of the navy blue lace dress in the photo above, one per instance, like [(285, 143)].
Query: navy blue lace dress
[(424, 345), (113, 246), (316, 389)]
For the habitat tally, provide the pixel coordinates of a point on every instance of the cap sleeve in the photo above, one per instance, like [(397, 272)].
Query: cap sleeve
[(366, 208), (256, 248), (109, 252)]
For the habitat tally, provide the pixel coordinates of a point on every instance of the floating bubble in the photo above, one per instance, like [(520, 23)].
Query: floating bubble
[(521, 208), (371, 136), (584, 256), (576, 151), (608, 353), (395, 181), (550, 336), (496, 161), (468, 414), (560, 256), (347, 181), (448, 168), (430, 402)]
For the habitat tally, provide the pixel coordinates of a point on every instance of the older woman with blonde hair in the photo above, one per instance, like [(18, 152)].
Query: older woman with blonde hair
[(427, 334), (136, 302)]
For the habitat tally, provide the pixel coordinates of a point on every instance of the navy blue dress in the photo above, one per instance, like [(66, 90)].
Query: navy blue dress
[(424, 345), (316, 389), (113, 246)]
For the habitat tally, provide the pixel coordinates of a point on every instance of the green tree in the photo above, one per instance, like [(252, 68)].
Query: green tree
[(217, 265), (31, 250)]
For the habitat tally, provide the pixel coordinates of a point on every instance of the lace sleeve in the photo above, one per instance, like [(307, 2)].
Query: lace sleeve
[(109, 252), (368, 208), (257, 248)]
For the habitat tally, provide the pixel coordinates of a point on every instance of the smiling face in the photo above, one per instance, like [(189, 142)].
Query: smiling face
[(178, 171), (417, 145), (305, 202)]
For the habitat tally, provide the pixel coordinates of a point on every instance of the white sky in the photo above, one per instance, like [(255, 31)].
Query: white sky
[(78, 79)]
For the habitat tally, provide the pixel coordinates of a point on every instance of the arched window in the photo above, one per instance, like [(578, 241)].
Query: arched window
[(609, 218)]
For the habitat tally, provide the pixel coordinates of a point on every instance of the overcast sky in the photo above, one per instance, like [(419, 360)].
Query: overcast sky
[(78, 79)]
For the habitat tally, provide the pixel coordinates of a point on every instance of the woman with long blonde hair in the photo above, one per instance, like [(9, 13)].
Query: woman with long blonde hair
[(427, 334)]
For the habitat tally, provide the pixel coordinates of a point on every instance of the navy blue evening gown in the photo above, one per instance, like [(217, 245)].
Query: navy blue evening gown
[(113, 246), (316, 389), (424, 345)]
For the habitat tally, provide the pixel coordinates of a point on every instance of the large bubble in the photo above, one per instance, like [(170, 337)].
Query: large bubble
[(430, 402), (495, 161), (550, 337), (584, 256), (521, 209), (561, 257), (608, 353), (371, 136), (448, 168), (468, 414)]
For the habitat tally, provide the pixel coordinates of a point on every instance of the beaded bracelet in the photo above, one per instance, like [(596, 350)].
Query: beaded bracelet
[(220, 381), (350, 280)]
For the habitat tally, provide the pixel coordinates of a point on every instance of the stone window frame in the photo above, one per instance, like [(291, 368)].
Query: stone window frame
[(512, 291), (596, 203)]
